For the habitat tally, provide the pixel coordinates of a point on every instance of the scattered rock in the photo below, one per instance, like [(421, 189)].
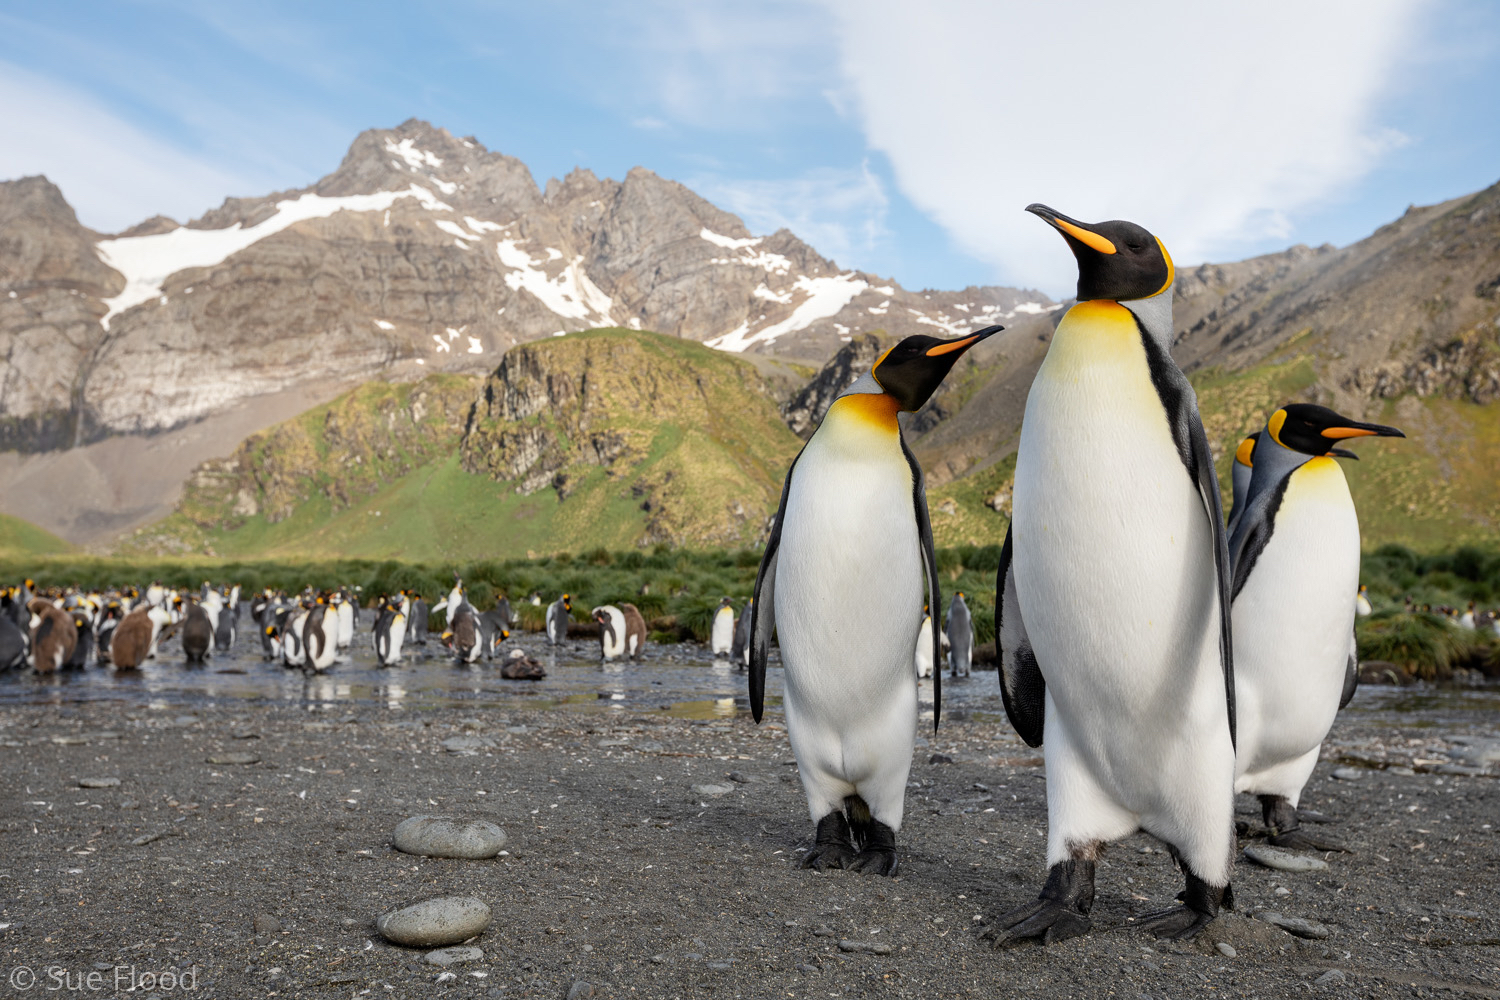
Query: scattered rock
[(712, 791), (453, 956), (129, 804), (866, 947), (244, 734), (939, 758), (1227, 950), (265, 923), (580, 990), (145, 839), (720, 966), (444, 837), (1284, 861), (741, 778), (1477, 751), (70, 741), (98, 782), (822, 930), (1329, 977), (234, 758), (613, 741), (1348, 773), (1297, 926), (435, 922), (467, 744), (1404, 772)]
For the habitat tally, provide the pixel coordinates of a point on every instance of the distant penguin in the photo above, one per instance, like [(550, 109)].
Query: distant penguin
[(611, 631), (270, 642), (131, 641), (848, 562), (1466, 620), (84, 646), (197, 632), (1295, 556), (225, 631), (520, 667), (1362, 602), (1239, 473), (390, 631), (559, 613), (960, 632), (455, 600), (494, 628), (1112, 609), (923, 656), (104, 633), (53, 635), (466, 643), (635, 631), (346, 614), (739, 652), (721, 640), (416, 622), (320, 637), (293, 646), (12, 644)]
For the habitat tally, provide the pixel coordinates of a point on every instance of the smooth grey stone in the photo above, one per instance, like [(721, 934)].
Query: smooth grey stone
[(822, 930), (1295, 925), (444, 837), (1460, 769), (265, 923), (712, 791), (1404, 772), (1283, 861), (435, 922), (467, 744), (1348, 773), (866, 947), (98, 782), (1227, 950), (1331, 976), (612, 742), (234, 758), (580, 990), (70, 741), (453, 956), (649, 746)]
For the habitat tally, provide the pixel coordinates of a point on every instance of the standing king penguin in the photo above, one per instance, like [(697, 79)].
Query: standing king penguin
[(1295, 555), (841, 581), (1116, 507)]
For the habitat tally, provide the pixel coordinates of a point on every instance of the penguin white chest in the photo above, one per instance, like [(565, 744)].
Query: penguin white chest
[(1114, 555), (1292, 620)]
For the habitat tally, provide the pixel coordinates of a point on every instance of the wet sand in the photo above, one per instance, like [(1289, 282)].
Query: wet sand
[(620, 879)]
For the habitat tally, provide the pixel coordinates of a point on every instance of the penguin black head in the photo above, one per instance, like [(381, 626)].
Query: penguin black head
[(1116, 260), (567, 602), (911, 371), (1312, 429)]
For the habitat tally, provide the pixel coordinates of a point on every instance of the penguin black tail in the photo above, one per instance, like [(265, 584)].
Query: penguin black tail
[(858, 811)]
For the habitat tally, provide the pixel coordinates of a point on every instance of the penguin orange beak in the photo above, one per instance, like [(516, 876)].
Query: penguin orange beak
[(1074, 230), (1352, 430)]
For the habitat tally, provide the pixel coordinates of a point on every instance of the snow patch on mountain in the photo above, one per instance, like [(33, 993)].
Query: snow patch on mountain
[(825, 297), (147, 261), (570, 295)]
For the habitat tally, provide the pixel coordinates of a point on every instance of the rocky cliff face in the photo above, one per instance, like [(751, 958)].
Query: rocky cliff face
[(421, 252), (609, 437)]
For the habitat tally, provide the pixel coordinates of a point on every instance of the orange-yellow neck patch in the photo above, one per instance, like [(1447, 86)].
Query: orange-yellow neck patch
[(1245, 453), (876, 409), (1102, 311)]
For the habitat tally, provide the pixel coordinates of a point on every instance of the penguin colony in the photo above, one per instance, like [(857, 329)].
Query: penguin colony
[(1227, 651)]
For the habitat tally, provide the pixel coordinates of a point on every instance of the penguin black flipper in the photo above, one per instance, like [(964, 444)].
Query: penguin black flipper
[(1022, 686), (1351, 673), (929, 570), (1181, 406), (762, 608)]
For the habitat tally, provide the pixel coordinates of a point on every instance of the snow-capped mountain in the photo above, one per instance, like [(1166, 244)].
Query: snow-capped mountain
[(421, 251)]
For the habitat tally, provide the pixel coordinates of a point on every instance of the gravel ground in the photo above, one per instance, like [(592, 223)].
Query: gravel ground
[(263, 878)]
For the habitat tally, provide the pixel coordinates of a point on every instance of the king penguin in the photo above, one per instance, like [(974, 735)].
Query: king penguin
[(960, 635), (841, 581), (559, 613), (1295, 556), (1116, 505), (721, 638)]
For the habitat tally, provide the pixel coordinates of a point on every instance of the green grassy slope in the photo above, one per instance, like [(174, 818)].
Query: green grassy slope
[(20, 537), (695, 456)]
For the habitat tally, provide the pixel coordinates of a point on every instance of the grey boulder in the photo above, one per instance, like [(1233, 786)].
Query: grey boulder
[(444, 837), (436, 922)]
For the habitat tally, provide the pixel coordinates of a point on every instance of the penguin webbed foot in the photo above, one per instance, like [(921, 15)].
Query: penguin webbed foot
[(877, 853), (1201, 903), (1060, 911), (1299, 840), (835, 844)]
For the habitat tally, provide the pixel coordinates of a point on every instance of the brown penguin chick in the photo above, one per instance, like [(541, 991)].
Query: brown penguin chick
[(53, 635), (520, 667), (635, 631), (131, 640), (197, 632)]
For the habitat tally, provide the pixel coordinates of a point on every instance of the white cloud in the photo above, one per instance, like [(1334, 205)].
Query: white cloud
[(1211, 124), (112, 173), (840, 212)]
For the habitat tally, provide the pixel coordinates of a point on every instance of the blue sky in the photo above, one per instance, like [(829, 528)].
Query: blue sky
[(900, 138)]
